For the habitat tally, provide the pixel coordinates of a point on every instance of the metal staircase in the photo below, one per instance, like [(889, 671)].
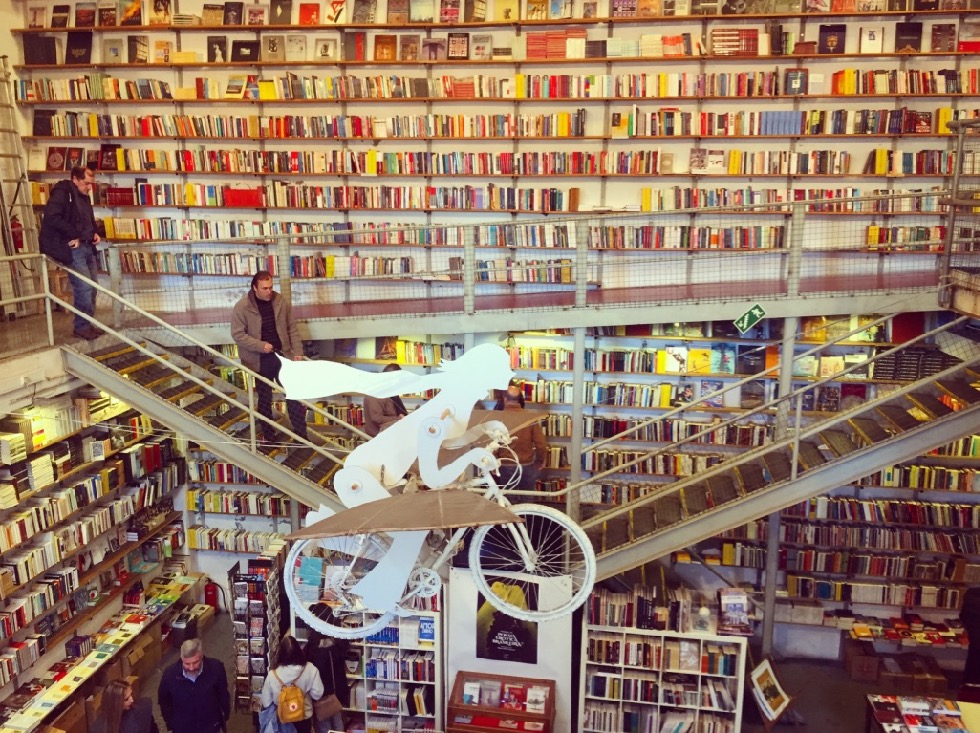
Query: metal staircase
[(207, 410), (825, 455)]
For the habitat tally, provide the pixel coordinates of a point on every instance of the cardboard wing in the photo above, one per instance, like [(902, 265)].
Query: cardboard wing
[(416, 511)]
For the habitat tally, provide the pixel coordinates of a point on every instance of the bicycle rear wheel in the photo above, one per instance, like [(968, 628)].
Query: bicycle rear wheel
[(319, 574), (536, 571)]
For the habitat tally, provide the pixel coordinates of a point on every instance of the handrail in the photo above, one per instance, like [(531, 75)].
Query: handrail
[(207, 349)]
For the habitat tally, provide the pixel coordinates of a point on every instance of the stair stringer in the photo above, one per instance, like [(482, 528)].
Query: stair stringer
[(219, 442), (813, 482)]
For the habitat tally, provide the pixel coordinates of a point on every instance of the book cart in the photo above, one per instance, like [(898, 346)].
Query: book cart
[(494, 702)]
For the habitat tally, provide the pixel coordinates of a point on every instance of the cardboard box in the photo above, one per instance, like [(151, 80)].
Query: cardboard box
[(93, 707), (892, 679), (860, 660), (114, 670), (73, 719)]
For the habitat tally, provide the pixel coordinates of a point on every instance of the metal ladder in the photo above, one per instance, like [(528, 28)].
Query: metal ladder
[(17, 279)]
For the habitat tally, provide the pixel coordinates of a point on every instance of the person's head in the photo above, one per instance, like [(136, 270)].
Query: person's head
[(290, 652), (83, 178), (116, 700), (192, 656), (393, 367), (262, 285)]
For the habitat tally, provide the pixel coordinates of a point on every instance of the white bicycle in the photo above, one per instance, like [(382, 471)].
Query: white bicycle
[(537, 570)]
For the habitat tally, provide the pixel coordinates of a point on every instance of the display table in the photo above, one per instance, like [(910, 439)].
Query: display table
[(902, 713)]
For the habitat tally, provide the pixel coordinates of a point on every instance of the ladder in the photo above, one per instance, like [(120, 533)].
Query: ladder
[(21, 278)]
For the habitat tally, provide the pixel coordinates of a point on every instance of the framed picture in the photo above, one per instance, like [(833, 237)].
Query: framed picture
[(325, 49), (768, 693), (797, 81)]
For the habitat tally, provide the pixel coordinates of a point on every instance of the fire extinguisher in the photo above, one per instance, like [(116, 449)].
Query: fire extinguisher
[(211, 590), (17, 233)]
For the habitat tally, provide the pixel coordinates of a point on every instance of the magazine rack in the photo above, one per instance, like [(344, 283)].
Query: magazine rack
[(494, 702)]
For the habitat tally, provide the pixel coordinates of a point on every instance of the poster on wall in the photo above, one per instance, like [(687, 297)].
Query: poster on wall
[(501, 636)]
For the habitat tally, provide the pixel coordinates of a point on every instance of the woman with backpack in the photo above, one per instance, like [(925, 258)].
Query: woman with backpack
[(292, 685), (328, 656)]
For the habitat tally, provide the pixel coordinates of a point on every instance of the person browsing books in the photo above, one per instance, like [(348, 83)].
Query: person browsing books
[(292, 669), (122, 713), (193, 694), (529, 445), (379, 413), (262, 324), (68, 236)]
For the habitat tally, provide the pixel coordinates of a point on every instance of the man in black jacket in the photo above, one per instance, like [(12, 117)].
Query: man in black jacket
[(68, 235), (193, 692)]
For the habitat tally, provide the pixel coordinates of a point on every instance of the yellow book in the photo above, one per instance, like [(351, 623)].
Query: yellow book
[(400, 351), (120, 159), (698, 361), (254, 129), (331, 264), (874, 232), (190, 194), (267, 89), (661, 361), (646, 199), (728, 553), (944, 115), (881, 161), (93, 126), (520, 86), (665, 394), (734, 162)]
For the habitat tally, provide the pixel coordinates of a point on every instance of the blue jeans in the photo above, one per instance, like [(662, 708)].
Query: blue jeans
[(85, 264)]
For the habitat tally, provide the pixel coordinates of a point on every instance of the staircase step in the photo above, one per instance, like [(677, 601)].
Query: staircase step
[(668, 509), (961, 389), (695, 500), (810, 455), (206, 403), (152, 375), (778, 465), (929, 404), (228, 418), (868, 430), (751, 476), (299, 457), (128, 362), (839, 442), (322, 472), (898, 416), (178, 391), (107, 352), (616, 532), (723, 489)]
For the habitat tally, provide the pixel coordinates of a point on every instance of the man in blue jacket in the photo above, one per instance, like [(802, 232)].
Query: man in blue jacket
[(193, 692), (68, 235)]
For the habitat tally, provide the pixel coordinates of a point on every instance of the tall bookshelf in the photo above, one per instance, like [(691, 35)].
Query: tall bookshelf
[(543, 115), (396, 676), (640, 679)]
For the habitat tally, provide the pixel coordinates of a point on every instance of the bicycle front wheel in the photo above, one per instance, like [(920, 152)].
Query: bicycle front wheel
[(536, 571), (319, 575)]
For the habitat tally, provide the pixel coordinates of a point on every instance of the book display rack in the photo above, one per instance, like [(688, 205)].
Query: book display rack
[(396, 676), (640, 679), (491, 702)]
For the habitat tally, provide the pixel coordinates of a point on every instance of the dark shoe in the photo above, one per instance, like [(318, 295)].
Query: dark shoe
[(97, 331), (87, 333)]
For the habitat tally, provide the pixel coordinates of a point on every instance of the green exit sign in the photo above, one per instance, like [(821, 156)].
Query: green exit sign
[(748, 319)]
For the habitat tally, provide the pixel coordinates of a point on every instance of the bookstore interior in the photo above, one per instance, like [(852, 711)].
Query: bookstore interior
[(122, 536)]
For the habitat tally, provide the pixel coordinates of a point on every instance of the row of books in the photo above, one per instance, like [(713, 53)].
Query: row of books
[(884, 161), (70, 124), (845, 82), (902, 566), (967, 447), (230, 540), (879, 538), (105, 14), (921, 595), (393, 665), (238, 502), (886, 511)]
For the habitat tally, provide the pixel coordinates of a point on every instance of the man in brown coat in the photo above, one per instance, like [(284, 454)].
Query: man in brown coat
[(262, 324), (529, 445)]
